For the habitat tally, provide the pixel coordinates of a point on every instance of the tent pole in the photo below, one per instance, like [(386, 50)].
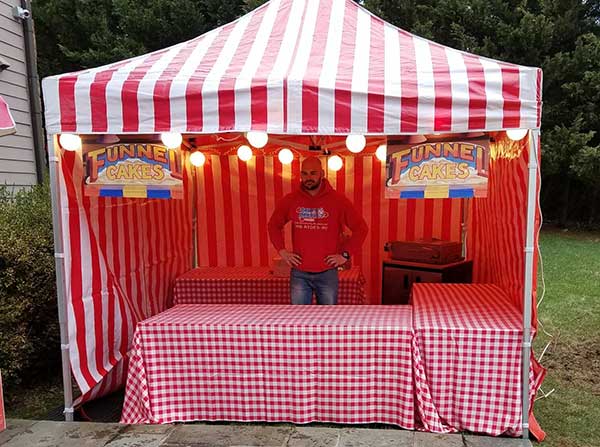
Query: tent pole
[(534, 137), (59, 261), (194, 217)]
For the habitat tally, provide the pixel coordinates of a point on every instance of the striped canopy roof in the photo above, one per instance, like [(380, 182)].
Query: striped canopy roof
[(298, 67)]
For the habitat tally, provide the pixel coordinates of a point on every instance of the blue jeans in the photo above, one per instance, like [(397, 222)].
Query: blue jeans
[(324, 284)]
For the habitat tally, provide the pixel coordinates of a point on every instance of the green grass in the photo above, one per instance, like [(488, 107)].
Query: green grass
[(570, 311)]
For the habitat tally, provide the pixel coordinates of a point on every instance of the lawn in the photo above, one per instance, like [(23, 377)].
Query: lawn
[(570, 312)]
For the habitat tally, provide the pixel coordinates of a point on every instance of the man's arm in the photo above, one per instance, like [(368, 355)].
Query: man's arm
[(276, 223), (358, 226)]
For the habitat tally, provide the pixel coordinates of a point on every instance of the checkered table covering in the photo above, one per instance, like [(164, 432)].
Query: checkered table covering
[(299, 364), (467, 359), (253, 285)]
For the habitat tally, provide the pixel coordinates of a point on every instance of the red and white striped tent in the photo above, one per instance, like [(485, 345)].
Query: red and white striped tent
[(293, 68)]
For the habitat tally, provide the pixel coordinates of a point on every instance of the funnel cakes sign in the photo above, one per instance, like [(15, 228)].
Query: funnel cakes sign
[(437, 169), (142, 170)]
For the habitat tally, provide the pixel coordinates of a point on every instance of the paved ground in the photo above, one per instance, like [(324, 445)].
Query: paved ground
[(24, 433)]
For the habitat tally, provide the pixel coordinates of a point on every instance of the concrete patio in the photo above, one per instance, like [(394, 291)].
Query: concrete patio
[(26, 433)]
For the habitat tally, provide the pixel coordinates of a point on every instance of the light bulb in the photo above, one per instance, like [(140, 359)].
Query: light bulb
[(285, 156), (335, 163), (516, 134), (244, 152), (197, 159), (257, 139), (381, 152), (70, 141), (356, 143), (171, 139)]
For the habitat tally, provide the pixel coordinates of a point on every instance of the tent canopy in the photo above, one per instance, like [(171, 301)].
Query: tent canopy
[(298, 67)]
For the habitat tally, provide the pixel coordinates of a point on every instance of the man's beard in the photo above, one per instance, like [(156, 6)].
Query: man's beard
[(313, 184)]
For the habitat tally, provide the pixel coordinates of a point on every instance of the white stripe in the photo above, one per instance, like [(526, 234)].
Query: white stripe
[(210, 89), (393, 81), (83, 107), (114, 87), (145, 93), (460, 90), (360, 73), (425, 86), (528, 93), (51, 104), (244, 80), (296, 75), (493, 91), (331, 60), (276, 78), (180, 81)]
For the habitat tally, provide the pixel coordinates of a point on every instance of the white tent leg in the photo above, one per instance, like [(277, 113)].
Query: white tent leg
[(534, 139), (59, 260)]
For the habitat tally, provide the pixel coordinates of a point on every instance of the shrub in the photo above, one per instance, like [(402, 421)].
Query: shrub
[(29, 332)]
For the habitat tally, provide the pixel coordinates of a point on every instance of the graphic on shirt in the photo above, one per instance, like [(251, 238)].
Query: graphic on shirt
[(311, 218)]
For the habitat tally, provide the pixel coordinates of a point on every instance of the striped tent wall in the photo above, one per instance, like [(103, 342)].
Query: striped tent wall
[(235, 201), (121, 256)]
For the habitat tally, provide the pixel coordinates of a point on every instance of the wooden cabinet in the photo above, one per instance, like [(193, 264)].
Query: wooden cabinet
[(399, 276)]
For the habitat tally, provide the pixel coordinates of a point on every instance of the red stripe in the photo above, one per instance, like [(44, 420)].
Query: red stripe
[(110, 295), (411, 205), (228, 213), (129, 93), (393, 219), (98, 106), (227, 84), (76, 275), (261, 192), (162, 88), (343, 84), (477, 96), (539, 96), (358, 194), (66, 95), (511, 93), (96, 295), (340, 180), (376, 245), (447, 219), (376, 95), (310, 83), (428, 220), (443, 89), (409, 92), (211, 231), (258, 90), (244, 204), (193, 91), (277, 181)]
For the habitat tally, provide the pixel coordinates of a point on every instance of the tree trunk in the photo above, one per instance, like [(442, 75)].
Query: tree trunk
[(564, 215)]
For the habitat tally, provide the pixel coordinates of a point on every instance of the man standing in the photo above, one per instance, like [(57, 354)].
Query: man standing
[(318, 214)]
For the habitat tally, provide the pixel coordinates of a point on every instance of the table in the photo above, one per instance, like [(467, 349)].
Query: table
[(467, 359), (253, 285), (299, 364)]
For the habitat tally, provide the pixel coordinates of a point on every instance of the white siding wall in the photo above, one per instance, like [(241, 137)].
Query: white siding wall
[(17, 159)]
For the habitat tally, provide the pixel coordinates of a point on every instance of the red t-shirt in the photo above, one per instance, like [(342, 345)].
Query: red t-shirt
[(317, 225)]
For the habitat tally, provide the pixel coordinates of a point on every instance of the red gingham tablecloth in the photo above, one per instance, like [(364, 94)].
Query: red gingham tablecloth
[(253, 285), (467, 359), (341, 364)]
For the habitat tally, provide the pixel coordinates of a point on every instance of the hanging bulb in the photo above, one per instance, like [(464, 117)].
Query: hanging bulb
[(70, 141), (335, 163), (197, 159), (244, 152), (381, 152), (356, 143), (285, 156), (171, 139), (516, 134), (257, 139)]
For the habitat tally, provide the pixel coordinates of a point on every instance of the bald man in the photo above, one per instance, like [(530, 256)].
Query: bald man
[(319, 215)]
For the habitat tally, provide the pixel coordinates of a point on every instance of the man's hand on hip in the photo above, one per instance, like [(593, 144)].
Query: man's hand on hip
[(291, 259), (335, 260)]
